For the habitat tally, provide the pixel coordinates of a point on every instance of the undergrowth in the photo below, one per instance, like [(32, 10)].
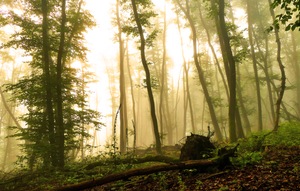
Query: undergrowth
[(250, 151)]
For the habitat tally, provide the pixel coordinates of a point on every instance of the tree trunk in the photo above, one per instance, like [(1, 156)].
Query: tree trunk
[(231, 73), (213, 49), (48, 85), (123, 100), (9, 110), (134, 121), (282, 71), (243, 111), (148, 77), (186, 86), (165, 118), (265, 68), (296, 69), (219, 162), (59, 71), (254, 62), (200, 70)]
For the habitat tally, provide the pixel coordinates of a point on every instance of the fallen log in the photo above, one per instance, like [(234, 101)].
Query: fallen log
[(201, 165), (156, 158)]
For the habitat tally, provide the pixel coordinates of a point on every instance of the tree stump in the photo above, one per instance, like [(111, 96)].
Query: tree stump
[(197, 147)]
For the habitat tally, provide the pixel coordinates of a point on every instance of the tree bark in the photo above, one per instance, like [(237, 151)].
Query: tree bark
[(231, 75), (219, 162), (254, 62), (244, 114), (134, 121), (282, 71), (59, 70), (265, 68), (123, 100), (9, 110), (213, 116), (213, 49), (186, 86), (48, 84), (202, 165), (296, 71), (148, 77)]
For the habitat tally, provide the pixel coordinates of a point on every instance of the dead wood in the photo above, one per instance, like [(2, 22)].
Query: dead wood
[(156, 158), (201, 165)]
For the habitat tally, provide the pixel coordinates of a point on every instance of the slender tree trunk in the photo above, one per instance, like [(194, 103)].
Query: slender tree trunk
[(296, 69), (254, 62), (164, 100), (213, 50), (48, 85), (200, 70), (241, 103), (59, 71), (265, 68), (148, 77), (186, 85), (281, 67), (123, 100), (134, 121), (9, 110), (232, 73)]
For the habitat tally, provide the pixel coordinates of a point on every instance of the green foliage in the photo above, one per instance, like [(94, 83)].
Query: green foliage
[(250, 150), (181, 183), (145, 17), (288, 135), (290, 16), (30, 91), (247, 158), (161, 180)]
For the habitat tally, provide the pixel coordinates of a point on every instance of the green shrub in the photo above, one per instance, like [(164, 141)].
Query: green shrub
[(288, 134)]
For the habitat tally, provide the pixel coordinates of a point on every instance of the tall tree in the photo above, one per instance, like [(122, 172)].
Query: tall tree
[(254, 63), (231, 74), (187, 13), (48, 84), (141, 13), (281, 66), (123, 99), (59, 71), (52, 91)]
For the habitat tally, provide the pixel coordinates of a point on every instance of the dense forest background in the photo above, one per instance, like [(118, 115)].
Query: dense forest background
[(71, 87)]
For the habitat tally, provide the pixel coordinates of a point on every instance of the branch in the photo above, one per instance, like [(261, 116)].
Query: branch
[(8, 110)]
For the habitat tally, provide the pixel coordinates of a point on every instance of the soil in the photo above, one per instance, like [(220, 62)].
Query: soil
[(279, 170)]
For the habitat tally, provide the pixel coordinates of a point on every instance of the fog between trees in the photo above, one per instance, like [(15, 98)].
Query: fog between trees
[(70, 88)]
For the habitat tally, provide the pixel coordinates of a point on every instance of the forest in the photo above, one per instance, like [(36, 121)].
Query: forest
[(149, 95)]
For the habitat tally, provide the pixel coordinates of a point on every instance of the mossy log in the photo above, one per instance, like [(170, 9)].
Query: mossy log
[(150, 158), (201, 165)]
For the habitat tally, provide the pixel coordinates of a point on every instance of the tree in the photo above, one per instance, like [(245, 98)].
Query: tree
[(52, 91), (123, 99), (187, 13), (281, 66), (254, 62), (140, 15)]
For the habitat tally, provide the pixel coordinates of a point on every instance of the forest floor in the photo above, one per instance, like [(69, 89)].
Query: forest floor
[(279, 169), (269, 166)]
